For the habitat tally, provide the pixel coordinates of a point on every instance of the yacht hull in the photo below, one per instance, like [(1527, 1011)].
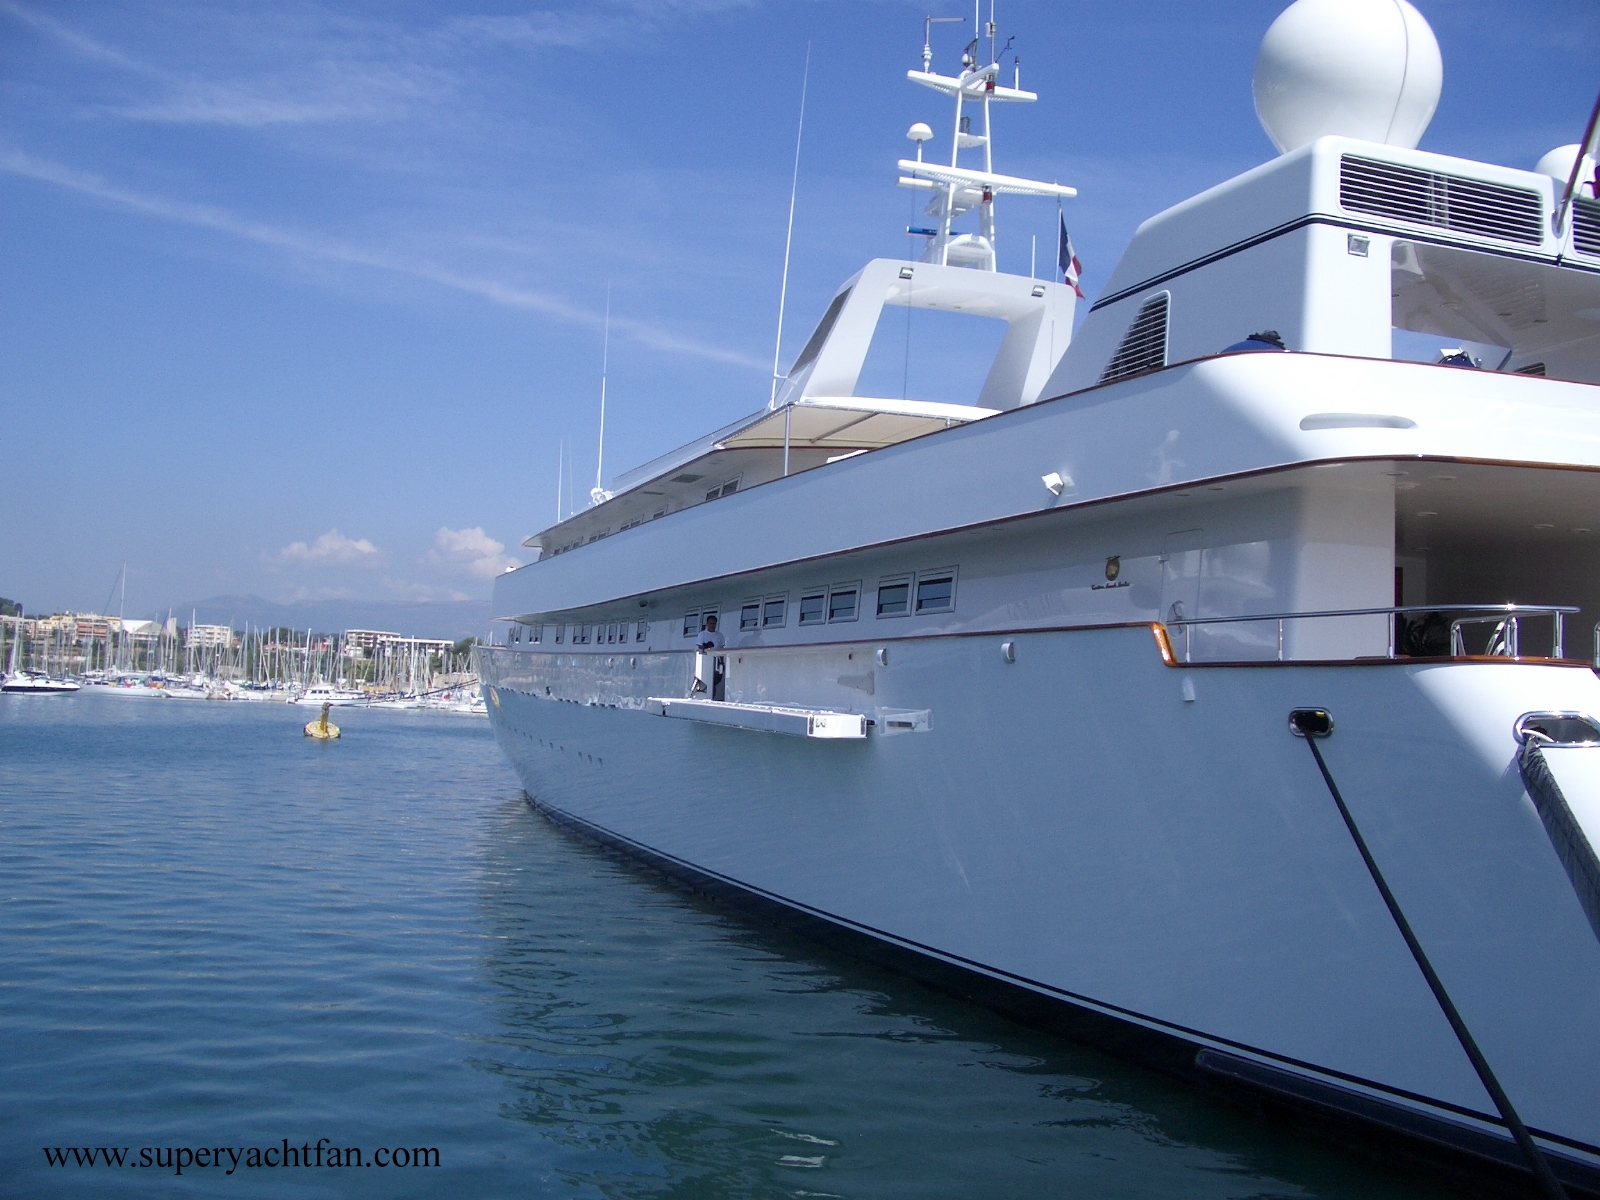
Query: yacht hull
[(1077, 840)]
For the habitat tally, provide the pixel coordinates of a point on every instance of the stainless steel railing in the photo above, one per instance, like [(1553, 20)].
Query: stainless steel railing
[(1504, 638)]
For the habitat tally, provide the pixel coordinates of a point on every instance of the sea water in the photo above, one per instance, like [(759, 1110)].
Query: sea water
[(218, 937)]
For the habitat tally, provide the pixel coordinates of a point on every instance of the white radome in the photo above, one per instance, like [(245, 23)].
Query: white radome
[(1558, 164), (1366, 69)]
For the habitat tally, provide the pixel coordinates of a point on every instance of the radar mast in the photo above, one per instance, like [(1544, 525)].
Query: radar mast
[(956, 189)]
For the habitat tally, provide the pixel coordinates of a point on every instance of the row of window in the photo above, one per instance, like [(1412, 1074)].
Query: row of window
[(615, 633), (897, 596)]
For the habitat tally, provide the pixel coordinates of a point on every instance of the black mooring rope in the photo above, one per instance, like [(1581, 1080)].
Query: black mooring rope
[(1313, 724)]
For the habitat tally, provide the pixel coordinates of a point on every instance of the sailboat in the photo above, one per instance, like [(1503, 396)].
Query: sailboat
[(37, 683), (1218, 687)]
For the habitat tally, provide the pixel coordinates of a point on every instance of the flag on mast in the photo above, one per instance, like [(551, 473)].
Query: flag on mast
[(1067, 259)]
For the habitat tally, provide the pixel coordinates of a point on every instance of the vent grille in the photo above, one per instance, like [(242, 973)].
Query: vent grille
[(1144, 346), (1586, 226), (1368, 185), (1531, 369)]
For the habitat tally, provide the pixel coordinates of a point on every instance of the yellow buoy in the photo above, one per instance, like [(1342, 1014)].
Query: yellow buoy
[(322, 729)]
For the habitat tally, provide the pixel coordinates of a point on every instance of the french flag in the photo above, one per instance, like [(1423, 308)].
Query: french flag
[(1067, 259)]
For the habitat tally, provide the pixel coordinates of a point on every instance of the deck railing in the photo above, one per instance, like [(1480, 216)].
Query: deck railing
[(1504, 638)]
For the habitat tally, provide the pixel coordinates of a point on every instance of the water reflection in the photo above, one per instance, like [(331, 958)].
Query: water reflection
[(664, 1047)]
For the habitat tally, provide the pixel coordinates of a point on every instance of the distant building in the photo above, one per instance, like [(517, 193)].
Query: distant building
[(368, 639), (369, 643), (204, 637)]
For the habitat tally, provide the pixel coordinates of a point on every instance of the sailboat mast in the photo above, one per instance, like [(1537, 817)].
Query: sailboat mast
[(599, 493)]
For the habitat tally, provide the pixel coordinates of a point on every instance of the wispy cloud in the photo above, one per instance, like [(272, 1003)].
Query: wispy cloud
[(582, 26), (321, 66), (331, 549), (80, 44), (325, 82), (472, 551), (16, 162)]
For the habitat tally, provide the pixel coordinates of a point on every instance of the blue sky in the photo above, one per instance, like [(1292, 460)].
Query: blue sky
[(304, 299)]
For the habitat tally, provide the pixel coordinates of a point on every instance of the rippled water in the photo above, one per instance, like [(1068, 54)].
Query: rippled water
[(215, 933)]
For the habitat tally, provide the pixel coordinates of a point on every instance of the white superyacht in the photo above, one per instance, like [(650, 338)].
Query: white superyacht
[(1218, 685)]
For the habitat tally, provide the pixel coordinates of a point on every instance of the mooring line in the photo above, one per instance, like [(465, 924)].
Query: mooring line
[(1313, 724)]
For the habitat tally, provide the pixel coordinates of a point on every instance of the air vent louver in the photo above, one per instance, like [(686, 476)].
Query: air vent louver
[(1586, 226), (1144, 346), (1384, 189)]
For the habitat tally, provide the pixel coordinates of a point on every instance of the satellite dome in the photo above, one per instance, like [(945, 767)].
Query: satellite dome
[(1558, 165), (1366, 69)]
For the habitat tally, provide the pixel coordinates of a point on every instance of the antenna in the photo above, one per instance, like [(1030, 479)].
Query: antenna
[(598, 494), (927, 37), (561, 462), (788, 238)]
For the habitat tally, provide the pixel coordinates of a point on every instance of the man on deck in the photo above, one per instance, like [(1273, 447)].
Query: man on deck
[(710, 641)]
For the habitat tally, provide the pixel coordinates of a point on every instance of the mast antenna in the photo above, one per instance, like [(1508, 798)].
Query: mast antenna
[(599, 495), (927, 38), (788, 238)]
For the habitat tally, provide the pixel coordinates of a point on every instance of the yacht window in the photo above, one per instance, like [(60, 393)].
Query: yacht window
[(705, 615), (580, 635), (936, 591), (813, 608), (639, 636), (894, 597), (750, 615), (691, 624), (730, 487), (611, 635), (774, 611), (819, 335), (560, 630), (842, 599), (660, 512), (538, 634)]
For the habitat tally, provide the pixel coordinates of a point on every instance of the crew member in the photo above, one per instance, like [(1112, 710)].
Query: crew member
[(710, 641)]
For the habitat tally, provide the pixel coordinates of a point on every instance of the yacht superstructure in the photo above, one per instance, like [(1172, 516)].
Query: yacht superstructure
[(1227, 701)]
